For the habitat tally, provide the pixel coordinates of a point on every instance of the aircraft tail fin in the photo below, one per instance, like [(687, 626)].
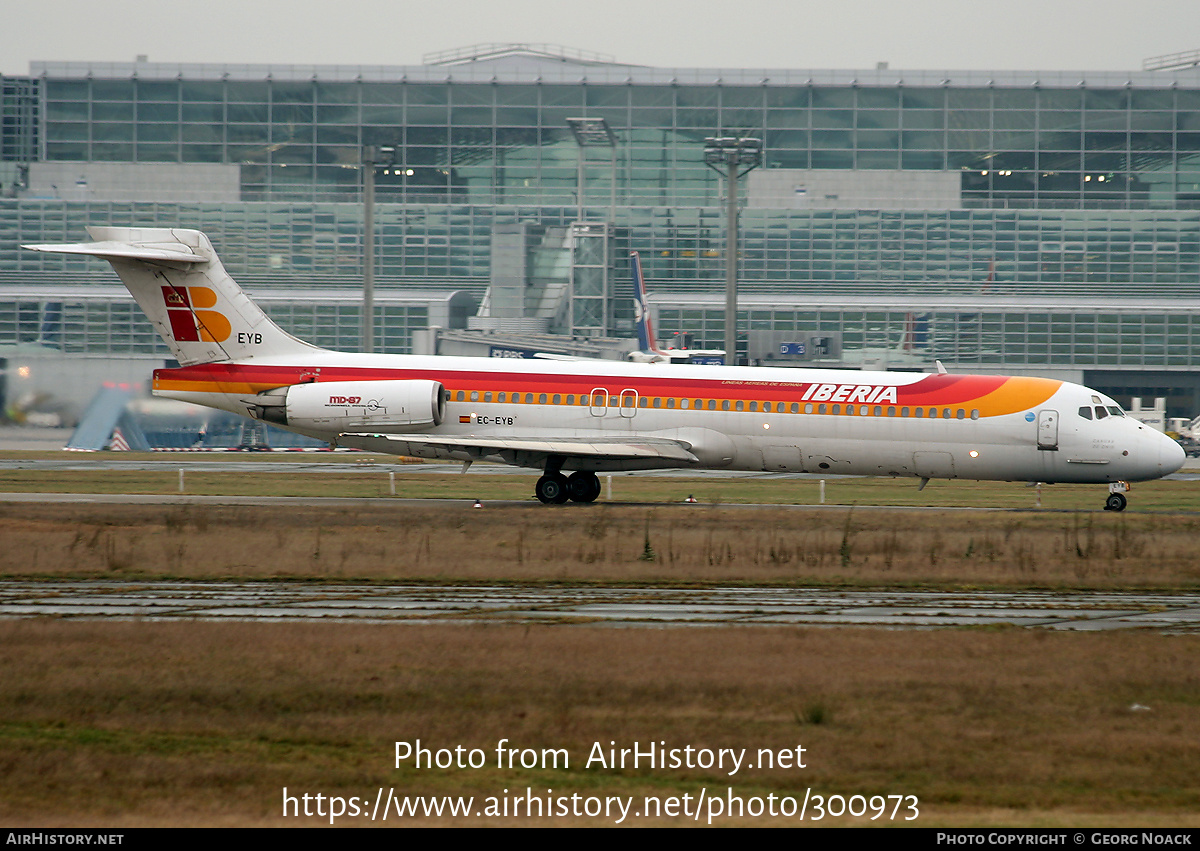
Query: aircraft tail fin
[(177, 279), (641, 307)]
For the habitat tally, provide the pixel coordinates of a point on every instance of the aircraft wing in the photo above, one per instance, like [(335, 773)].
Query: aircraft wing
[(527, 451)]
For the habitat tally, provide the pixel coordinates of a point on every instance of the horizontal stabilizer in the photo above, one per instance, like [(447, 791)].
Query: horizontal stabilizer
[(172, 252)]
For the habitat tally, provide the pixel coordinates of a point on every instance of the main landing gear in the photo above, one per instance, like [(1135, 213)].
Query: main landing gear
[(555, 488), (1116, 496)]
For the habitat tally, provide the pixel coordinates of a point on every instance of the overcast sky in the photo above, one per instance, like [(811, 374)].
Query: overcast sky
[(838, 34)]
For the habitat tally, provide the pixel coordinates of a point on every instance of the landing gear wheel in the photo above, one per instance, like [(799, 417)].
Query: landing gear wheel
[(552, 488), (583, 486), (1115, 502)]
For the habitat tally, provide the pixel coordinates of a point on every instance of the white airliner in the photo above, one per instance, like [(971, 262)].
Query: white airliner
[(594, 416)]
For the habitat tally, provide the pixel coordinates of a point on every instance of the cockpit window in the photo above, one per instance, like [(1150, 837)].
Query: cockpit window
[(1101, 412), (1116, 411), (1085, 412)]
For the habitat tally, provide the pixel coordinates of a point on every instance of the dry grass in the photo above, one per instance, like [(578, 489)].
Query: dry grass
[(167, 723), (269, 475), (590, 544), (145, 723)]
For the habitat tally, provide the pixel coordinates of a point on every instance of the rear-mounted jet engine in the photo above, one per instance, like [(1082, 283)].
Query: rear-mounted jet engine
[(347, 405)]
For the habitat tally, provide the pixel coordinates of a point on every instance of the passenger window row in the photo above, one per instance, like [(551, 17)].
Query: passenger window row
[(602, 400)]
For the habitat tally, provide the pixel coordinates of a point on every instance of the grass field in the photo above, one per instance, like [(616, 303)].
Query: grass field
[(154, 723), (275, 475), (169, 723), (598, 544)]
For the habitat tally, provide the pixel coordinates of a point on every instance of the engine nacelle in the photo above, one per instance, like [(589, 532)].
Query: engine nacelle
[(340, 406)]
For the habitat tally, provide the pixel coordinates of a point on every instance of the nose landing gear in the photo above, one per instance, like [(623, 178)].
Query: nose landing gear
[(1116, 496)]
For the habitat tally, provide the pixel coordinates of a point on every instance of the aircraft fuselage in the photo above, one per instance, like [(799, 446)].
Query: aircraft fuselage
[(737, 418)]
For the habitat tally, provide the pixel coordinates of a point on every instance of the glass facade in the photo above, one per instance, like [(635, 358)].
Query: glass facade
[(973, 335), (1018, 141), (19, 109), (1084, 187), (974, 252), (110, 323)]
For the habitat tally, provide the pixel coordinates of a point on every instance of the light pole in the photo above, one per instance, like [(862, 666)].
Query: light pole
[(372, 155), (737, 155)]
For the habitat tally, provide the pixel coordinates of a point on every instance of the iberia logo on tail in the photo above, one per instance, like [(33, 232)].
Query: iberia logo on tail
[(191, 321)]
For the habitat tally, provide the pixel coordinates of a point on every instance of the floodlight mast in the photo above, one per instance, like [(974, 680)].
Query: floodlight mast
[(737, 155), (372, 156)]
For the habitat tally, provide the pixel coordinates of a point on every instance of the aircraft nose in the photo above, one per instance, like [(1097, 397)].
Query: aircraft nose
[(1170, 455), (1154, 455)]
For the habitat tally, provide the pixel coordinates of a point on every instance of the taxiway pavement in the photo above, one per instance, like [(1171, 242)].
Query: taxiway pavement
[(625, 607)]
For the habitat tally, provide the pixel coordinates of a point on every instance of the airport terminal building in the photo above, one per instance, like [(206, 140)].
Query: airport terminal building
[(1037, 222)]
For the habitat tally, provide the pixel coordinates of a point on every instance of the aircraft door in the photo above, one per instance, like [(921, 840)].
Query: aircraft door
[(1047, 434), (629, 403), (598, 401)]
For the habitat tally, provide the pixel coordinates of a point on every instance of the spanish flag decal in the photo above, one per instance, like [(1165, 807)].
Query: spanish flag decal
[(464, 418)]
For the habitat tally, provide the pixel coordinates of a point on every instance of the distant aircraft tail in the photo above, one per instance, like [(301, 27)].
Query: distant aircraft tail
[(641, 308), (991, 278), (916, 332), (177, 279)]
